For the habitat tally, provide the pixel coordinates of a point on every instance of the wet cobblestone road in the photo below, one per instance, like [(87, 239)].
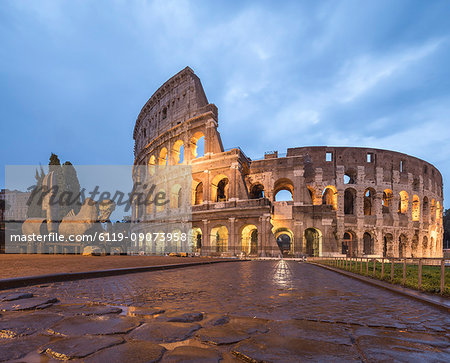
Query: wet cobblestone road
[(263, 310)]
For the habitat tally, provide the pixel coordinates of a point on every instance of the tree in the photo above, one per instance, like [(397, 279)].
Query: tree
[(71, 187)]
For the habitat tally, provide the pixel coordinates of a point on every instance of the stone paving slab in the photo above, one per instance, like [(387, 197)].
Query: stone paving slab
[(274, 311), (19, 265)]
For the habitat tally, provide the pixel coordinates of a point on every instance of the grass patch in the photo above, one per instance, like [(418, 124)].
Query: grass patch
[(431, 275)]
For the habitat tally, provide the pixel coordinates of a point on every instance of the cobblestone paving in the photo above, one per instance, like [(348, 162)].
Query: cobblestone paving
[(260, 310)]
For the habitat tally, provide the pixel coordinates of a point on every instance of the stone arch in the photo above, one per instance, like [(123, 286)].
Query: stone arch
[(152, 164), (160, 206), (313, 242), (349, 243), (330, 196), (368, 244), (249, 239), (312, 194), (194, 145), (349, 201), (403, 202), (219, 239), (350, 176), (369, 202), (163, 157), (388, 245), (285, 240), (176, 196), (433, 210), (402, 244), (415, 246), (178, 152), (283, 184), (256, 191), (425, 252), (219, 188), (388, 197), (197, 192), (425, 206), (196, 239), (415, 208)]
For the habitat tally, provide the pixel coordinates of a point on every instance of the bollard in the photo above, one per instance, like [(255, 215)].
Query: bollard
[(360, 270), (374, 266), (419, 278), (367, 266), (442, 276), (404, 272), (382, 268)]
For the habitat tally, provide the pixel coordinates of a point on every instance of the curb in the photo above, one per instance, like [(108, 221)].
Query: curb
[(70, 276), (436, 301)]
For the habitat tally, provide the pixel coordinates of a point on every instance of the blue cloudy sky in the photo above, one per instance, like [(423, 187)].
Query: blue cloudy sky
[(75, 74)]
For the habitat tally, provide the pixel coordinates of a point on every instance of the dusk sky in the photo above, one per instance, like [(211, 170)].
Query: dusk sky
[(74, 75)]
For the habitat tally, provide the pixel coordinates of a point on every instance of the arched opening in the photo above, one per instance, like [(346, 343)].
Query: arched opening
[(312, 194), (402, 242), (219, 188), (159, 242), (257, 191), (416, 208), (368, 244), (313, 242), (249, 239), (174, 242), (198, 145), (285, 240), (349, 201), (198, 193), (160, 206), (163, 156), (425, 252), (414, 246), (388, 245), (283, 190), (219, 239), (329, 196), (387, 200), (349, 244), (433, 210), (403, 203), (283, 196), (176, 197), (425, 206), (178, 152), (196, 239), (369, 202), (350, 177), (151, 165)]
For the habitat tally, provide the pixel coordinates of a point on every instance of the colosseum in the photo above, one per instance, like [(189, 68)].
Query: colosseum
[(314, 201)]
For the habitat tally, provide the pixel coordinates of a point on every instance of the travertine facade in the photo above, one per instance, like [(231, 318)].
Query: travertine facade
[(345, 200)]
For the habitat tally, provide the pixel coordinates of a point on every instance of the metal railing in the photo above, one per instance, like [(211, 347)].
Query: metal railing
[(386, 268)]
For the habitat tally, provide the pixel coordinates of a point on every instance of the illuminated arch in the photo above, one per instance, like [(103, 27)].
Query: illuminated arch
[(194, 144), (330, 196), (219, 239), (178, 152), (283, 184), (219, 188), (403, 202), (163, 156), (249, 239), (415, 208)]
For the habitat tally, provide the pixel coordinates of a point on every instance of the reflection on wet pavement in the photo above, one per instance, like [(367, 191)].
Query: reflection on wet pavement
[(262, 310)]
